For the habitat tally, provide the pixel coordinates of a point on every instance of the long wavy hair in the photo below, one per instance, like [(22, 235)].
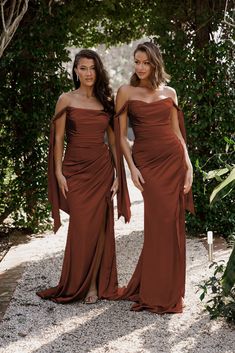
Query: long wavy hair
[(158, 74), (102, 90)]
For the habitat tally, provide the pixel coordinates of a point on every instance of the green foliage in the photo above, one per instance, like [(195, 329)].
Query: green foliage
[(221, 302), (32, 77), (203, 80), (227, 184), (228, 279), (224, 175)]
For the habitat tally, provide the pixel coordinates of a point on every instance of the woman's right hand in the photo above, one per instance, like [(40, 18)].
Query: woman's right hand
[(62, 182), (137, 178)]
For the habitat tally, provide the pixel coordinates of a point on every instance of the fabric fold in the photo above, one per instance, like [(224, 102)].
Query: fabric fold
[(123, 199), (158, 282), (89, 172), (189, 204), (55, 197)]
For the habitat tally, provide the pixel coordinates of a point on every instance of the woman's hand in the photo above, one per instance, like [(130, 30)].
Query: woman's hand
[(137, 178), (114, 188), (62, 184), (188, 179)]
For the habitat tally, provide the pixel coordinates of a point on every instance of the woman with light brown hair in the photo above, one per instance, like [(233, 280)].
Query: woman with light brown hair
[(161, 169)]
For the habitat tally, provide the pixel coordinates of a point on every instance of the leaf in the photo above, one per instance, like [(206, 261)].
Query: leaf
[(229, 141), (217, 172), (202, 296), (228, 279), (230, 179)]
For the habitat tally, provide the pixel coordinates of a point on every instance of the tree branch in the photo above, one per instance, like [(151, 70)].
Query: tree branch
[(14, 16), (225, 13)]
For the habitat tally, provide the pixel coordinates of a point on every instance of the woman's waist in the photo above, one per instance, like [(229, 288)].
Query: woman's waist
[(86, 151), (148, 132), (155, 139), (85, 142)]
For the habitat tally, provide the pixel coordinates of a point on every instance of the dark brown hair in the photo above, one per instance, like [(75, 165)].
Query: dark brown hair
[(158, 74), (102, 90)]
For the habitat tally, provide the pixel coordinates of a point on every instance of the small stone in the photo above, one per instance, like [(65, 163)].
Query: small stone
[(22, 334)]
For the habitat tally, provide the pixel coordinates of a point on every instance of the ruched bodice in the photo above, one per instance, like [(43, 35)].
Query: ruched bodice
[(89, 172), (155, 140), (151, 121), (158, 282), (86, 129)]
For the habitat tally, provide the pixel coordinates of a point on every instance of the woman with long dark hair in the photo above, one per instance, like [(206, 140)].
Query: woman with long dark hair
[(161, 169), (82, 183)]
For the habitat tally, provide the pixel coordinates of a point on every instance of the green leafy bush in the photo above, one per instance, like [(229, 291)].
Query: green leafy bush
[(221, 286), (221, 302), (209, 115), (32, 78), (198, 54)]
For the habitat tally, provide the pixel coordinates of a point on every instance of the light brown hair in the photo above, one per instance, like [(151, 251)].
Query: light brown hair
[(158, 74)]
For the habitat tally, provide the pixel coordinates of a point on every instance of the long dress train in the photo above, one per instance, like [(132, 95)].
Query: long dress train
[(158, 282), (89, 171)]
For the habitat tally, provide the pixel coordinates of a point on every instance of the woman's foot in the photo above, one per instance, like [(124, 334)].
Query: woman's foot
[(91, 298)]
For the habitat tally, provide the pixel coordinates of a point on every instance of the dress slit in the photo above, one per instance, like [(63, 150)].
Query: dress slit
[(89, 171)]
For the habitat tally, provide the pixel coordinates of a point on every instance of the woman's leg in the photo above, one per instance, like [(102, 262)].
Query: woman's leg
[(91, 296)]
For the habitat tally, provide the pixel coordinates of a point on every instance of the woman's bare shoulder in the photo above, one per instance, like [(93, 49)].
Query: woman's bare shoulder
[(124, 89), (125, 92), (170, 92), (63, 101), (123, 95)]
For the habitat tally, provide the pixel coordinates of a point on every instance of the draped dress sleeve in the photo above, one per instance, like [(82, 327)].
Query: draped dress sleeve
[(123, 199), (189, 204), (55, 196)]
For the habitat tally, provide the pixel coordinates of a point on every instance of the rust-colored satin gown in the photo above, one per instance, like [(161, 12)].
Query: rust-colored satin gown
[(89, 172), (158, 282)]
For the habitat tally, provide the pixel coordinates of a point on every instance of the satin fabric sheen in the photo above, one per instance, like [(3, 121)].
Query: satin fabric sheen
[(89, 171), (158, 282)]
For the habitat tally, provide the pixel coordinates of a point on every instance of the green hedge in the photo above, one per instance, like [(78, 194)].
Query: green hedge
[(32, 77), (208, 105)]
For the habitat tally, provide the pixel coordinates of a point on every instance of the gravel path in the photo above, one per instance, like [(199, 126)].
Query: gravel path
[(32, 325)]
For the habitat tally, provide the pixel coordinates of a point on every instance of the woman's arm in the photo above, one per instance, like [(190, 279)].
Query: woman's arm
[(176, 129), (111, 142), (59, 144), (122, 97)]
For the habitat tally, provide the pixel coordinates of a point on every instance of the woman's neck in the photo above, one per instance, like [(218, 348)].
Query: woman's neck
[(148, 86), (87, 92)]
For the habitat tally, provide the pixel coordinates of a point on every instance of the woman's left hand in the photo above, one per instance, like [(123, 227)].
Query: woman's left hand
[(114, 188), (188, 179)]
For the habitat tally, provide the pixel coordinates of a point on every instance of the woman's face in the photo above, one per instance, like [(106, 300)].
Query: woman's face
[(86, 71), (142, 65)]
